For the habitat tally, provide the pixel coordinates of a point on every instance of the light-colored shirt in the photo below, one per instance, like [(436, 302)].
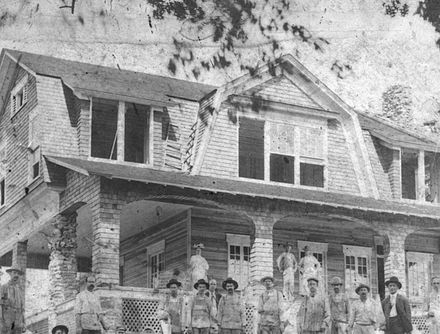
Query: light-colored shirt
[(313, 314), (339, 307), (363, 312), (173, 307), (201, 312), (88, 308), (231, 313), (270, 305), (393, 312)]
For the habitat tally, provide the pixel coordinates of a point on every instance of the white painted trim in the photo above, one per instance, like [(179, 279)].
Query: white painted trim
[(350, 250), (120, 132), (238, 239), (315, 247), (420, 180), (156, 248)]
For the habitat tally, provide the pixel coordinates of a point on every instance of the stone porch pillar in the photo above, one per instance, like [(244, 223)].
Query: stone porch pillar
[(395, 260), (19, 259), (62, 263), (106, 215)]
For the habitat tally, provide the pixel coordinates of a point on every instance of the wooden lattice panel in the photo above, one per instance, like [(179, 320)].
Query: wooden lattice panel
[(250, 319), (139, 315), (419, 322)]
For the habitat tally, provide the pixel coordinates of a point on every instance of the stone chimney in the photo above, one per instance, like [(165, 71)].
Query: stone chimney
[(397, 104)]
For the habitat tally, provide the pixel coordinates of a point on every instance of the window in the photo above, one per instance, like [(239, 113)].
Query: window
[(121, 131), (34, 164), (432, 177), (239, 258), (419, 266), (19, 95), (295, 154), (156, 263), (409, 163), (357, 267), (319, 251), (2, 192), (251, 148)]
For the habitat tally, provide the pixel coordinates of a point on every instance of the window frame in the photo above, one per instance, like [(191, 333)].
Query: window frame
[(242, 241), (34, 158), (20, 87), (2, 191), (297, 123), (419, 257), (357, 252), (152, 251)]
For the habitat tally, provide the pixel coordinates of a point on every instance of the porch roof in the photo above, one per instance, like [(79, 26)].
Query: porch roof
[(242, 187)]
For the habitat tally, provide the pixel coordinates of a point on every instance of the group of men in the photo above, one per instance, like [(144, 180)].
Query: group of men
[(208, 312)]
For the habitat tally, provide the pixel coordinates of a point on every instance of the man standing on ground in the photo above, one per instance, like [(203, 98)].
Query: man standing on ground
[(396, 309), (339, 307), (12, 320), (270, 308), (314, 312), (201, 310), (363, 312), (171, 309), (231, 314), (88, 312)]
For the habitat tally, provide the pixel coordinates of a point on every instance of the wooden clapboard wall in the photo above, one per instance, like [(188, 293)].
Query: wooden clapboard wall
[(334, 233), (210, 227), (133, 250)]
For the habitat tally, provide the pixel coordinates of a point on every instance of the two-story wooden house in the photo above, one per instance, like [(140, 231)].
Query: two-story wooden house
[(119, 173)]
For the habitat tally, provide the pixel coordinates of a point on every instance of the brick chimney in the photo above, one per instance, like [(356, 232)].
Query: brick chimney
[(397, 104)]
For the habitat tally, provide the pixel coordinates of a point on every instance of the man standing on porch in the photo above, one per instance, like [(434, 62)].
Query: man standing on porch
[(270, 307), (171, 309), (339, 307), (12, 308), (88, 312), (201, 310), (231, 314), (314, 312), (396, 309), (287, 265), (363, 312), (433, 306)]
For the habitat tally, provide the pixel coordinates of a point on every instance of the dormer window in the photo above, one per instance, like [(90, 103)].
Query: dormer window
[(282, 152), (19, 96)]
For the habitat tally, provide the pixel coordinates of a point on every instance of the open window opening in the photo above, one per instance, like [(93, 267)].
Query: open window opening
[(137, 133), (2, 192), (251, 148), (432, 177), (104, 143), (409, 163)]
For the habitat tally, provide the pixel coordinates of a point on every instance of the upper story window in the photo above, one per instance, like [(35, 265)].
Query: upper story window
[(34, 164), (19, 95), (280, 152), (2, 192), (121, 131)]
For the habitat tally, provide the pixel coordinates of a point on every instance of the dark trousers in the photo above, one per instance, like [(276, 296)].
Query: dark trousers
[(90, 331), (267, 329), (200, 330), (395, 326)]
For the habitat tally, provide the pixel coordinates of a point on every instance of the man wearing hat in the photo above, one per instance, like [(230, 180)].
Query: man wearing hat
[(270, 307), (171, 308), (12, 306), (88, 312), (201, 310), (339, 307), (363, 312), (231, 315), (396, 309), (314, 312), (60, 329)]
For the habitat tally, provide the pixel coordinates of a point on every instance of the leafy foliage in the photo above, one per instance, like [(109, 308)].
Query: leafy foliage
[(395, 7), (229, 23)]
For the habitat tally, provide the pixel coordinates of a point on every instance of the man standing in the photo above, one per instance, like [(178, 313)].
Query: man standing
[(363, 312), (314, 312), (433, 306), (88, 313), (12, 320), (201, 310), (287, 265), (396, 309), (171, 309), (270, 308), (213, 292), (339, 307), (231, 314)]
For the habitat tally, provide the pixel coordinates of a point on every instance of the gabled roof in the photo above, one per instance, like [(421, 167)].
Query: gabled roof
[(245, 188), (100, 81)]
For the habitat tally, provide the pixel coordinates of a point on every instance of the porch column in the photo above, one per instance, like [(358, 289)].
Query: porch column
[(19, 259), (62, 263), (106, 213), (395, 260)]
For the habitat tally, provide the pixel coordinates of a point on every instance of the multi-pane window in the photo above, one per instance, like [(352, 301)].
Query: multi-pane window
[(357, 267), (34, 164), (239, 258), (156, 263), (419, 267), (19, 95), (294, 154)]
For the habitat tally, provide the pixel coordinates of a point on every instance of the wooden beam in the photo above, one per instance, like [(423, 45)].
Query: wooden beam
[(121, 132), (420, 180)]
